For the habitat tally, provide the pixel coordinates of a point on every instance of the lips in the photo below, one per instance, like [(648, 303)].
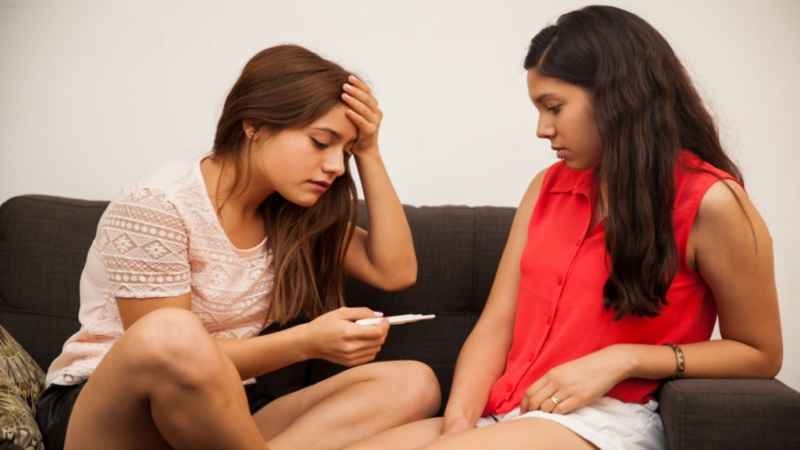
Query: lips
[(321, 185)]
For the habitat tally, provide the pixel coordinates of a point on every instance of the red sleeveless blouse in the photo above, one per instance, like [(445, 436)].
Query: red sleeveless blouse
[(560, 315)]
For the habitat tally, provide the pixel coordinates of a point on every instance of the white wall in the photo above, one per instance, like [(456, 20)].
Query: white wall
[(95, 94)]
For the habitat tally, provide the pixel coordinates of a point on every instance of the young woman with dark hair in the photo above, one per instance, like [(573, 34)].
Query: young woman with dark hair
[(619, 259), (190, 265)]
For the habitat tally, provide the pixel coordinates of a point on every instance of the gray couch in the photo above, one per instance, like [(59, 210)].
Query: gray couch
[(43, 245)]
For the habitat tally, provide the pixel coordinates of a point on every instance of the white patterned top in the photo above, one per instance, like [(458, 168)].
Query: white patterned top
[(162, 238)]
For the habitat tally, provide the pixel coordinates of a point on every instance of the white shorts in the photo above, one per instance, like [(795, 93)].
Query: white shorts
[(608, 423)]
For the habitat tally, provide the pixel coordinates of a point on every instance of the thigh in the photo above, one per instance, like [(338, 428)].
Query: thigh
[(107, 415), (280, 413), (166, 352), (520, 434), (409, 436), (111, 411)]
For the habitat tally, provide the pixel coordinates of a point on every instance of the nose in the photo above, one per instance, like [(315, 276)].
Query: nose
[(545, 128), (333, 164)]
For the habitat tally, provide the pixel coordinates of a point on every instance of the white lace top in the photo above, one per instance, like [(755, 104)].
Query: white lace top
[(161, 238)]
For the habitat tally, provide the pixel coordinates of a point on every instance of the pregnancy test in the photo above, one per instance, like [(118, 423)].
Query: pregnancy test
[(396, 320)]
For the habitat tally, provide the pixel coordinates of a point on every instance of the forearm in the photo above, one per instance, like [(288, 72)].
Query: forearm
[(389, 243), (263, 354), (480, 363), (723, 358)]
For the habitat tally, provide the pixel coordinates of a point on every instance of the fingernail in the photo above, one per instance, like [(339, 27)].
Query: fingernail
[(378, 314), (352, 77)]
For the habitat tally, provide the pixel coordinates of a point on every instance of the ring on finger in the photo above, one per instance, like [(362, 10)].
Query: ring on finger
[(554, 399)]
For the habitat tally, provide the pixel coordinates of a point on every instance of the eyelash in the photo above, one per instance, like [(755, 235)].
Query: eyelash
[(322, 146), (319, 144), (554, 109)]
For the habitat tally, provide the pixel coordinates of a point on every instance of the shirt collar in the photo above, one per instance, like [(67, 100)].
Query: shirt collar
[(574, 181)]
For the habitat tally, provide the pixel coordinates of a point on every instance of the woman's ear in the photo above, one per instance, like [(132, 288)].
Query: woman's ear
[(253, 132), (248, 128)]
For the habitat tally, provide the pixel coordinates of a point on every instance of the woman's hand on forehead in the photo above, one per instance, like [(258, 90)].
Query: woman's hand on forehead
[(363, 111)]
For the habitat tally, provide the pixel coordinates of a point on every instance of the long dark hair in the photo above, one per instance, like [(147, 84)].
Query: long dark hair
[(646, 109), (285, 87)]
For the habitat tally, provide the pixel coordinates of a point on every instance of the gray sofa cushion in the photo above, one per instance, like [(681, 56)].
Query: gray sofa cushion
[(43, 246), (713, 413)]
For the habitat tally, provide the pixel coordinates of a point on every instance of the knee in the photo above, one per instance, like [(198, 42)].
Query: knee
[(418, 387), (171, 346)]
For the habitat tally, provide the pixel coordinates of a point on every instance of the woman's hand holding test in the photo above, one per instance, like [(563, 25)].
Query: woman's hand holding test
[(336, 338)]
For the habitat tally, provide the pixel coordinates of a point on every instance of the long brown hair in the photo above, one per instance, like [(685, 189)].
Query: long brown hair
[(287, 87), (646, 110)]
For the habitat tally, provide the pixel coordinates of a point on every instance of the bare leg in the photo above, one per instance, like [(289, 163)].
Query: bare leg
[(350, 406), (164, 384), (405, 437), (521, 434)]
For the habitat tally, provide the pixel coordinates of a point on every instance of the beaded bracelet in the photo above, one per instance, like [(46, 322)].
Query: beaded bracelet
[(680, 361)]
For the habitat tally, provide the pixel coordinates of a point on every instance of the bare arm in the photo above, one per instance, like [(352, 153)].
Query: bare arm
[(740, 272), (482, 359), (383, 256), (332, 336)]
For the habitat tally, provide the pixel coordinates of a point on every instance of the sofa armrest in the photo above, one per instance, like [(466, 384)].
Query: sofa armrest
[(728, 414)]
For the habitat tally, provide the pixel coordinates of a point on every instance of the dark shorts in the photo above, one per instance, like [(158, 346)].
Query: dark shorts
[(56, 402)]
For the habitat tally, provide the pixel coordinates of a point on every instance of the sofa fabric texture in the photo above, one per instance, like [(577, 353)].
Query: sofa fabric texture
[(43, 245)]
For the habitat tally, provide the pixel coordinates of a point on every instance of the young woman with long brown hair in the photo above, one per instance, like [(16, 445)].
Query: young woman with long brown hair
[(619, 259), (190, 265)]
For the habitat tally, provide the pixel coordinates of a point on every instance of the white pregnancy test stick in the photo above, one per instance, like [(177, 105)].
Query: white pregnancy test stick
[(395, 320)]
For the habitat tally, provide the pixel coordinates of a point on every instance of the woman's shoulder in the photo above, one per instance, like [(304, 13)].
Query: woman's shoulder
[(692, 168), (166, 185), (159, 197), (535, 187), (694, 177)]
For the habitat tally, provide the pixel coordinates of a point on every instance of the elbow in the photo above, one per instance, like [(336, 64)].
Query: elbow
[(774, 364), (769, 363), (401, 278)]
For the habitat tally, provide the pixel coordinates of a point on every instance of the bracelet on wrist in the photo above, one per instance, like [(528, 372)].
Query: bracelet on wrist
[(680, 361)]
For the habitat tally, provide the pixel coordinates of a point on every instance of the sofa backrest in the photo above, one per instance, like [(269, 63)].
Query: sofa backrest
[(44, 241), (458, 249), (43, 246)]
